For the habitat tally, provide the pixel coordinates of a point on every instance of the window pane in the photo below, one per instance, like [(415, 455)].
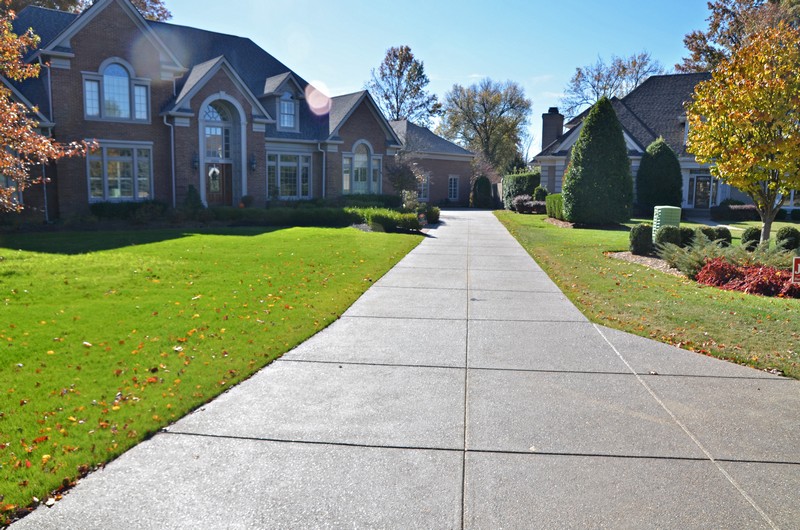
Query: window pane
[(422, 189), (116, 92), (305, 182), (347, 164), (272, 184), (120, 179), (452, 189), (214, 142), (288, 171), (96, 179), (226, 145), (119, 152), (287, 113), (140, 102), (376, 175), (360, 169), (143, 174), (91, 97)]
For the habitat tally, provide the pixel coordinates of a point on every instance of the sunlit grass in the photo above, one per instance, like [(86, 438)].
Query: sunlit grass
[(758, 331), (101, 349)]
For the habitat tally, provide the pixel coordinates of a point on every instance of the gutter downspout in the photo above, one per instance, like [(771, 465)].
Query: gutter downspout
[(172, 160), (324, 167), (50, 134)]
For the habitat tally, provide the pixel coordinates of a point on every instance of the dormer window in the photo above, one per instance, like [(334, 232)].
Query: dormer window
[(114, 94), (287, 112)]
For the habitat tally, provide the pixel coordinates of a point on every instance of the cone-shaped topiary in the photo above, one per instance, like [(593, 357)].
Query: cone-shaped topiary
[(598, 187), (659, 181)]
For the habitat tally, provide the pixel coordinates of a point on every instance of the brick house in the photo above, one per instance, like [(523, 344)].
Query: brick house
[(447, 167), (655, 108), (172, 107)]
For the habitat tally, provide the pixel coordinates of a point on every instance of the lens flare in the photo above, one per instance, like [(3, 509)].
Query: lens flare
[(317, 96)]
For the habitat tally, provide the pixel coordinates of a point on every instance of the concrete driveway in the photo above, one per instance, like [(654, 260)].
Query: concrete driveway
[(463, 390)]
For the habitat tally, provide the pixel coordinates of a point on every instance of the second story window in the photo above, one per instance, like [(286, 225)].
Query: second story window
[(114, 94), (287, 111)]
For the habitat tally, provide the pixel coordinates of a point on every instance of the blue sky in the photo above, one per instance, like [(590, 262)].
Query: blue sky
[(536, 43)]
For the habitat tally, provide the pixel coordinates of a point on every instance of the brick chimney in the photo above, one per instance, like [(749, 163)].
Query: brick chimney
[(552, 126)]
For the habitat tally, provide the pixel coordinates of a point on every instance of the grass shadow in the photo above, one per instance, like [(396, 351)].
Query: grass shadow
[(82, 242)]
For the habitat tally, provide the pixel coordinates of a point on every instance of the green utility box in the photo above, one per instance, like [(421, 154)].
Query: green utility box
[(665, 216)]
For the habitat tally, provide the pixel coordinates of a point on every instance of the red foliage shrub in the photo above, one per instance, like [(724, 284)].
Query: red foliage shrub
[(718, 272), (761, 280)]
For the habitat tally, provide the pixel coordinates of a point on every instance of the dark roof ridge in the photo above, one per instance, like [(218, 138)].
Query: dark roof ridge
[(638, 119)]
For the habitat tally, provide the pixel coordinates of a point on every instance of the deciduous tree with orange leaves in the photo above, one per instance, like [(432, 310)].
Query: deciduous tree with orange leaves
[(22, 145), (745, 120)]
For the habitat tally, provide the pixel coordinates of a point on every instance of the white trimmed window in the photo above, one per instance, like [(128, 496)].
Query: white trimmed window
[(362, 172), (120, 172), (9, 183), (423, 188), (452, 188), (287, 112), (288, 176), (114, 94)]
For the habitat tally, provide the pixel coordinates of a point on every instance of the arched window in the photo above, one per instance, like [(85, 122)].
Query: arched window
[(361, 170), (217, 129), (114, 94), (117, 92)]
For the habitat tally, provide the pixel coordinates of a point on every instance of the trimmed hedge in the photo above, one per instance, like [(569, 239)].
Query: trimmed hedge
[(723, 235), (432, 214), (687, 236), (519, 184), (481, 196), (659, 180), (788, 238), (126, 210), (540, 193), (668, 234), (735, 212), (751, 238), (641, 238), (598, 186), (554, 205), (368, 200)]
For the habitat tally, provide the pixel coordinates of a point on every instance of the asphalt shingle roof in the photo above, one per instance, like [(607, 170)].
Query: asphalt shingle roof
[(192, 47), (423, 140), (654, 108)]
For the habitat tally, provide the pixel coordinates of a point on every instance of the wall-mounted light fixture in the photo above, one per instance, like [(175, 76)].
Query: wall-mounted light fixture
[(195, 161), (253, 163)]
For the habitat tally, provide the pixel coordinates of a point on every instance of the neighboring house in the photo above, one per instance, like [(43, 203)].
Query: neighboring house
[(447, 167), (172, 107), (655, 108)]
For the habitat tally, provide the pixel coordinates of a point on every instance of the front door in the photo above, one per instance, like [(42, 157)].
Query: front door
[(702, 192), (218, 184)]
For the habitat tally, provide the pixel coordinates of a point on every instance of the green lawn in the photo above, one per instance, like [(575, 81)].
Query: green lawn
[(754, 330), (109, 336)]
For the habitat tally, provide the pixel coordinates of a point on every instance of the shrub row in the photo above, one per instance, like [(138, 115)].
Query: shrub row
[(735, 212), (681, 237), (555, 206), (753, 279), (519, 184), (526, 204), (127, 211), (691, 259)]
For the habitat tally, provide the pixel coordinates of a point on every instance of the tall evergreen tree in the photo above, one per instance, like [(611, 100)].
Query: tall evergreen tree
[(659, 181), (598, 187)]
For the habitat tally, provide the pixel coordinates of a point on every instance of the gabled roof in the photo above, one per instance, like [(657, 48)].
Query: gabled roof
[(422, 140), (342, 107), (201, 74), (192, 47), (18, 96), (654, 108), (59, 45), (275, 83)]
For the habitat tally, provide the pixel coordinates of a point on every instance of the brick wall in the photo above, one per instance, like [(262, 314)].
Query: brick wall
[(111, 34)]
